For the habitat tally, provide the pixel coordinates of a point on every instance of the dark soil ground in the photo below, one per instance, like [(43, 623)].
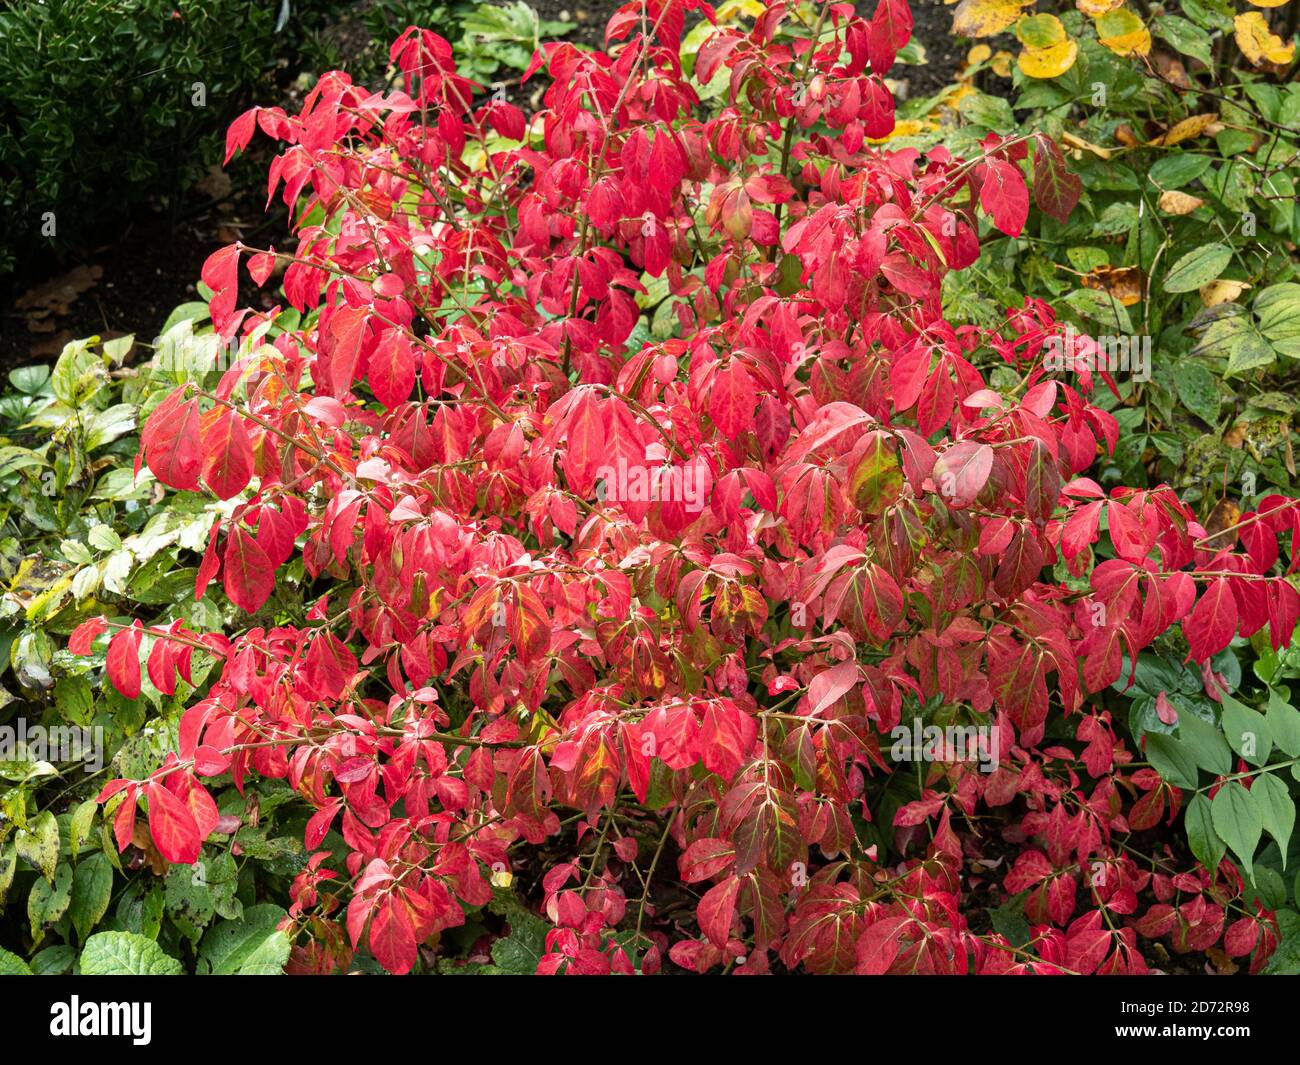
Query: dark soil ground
[(129, 281)]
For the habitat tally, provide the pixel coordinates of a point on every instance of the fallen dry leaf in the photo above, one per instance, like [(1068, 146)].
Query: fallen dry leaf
[(1124, 283), (1217, 292), (1174, 202), (55, 298), (1079, 144), (1125, 135), (1186, 130), (1221, 525)]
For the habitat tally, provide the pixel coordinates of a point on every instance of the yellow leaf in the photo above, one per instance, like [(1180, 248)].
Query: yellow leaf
[(984, 18), (1175, 202), (1217, 292), (1097, 8), (1257, 44), (1186, 130), (1082, 145), (1049, 62), (978, 54), (1269, 3), (907, 127), (955, 95), (731, 10), (1123, 33), (1001, 65)]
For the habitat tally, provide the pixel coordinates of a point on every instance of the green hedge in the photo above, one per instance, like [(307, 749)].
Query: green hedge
[(100, 107)]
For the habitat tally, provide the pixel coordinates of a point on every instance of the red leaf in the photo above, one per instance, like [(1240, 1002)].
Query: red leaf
[(85, 634), (328, 667), (1004, 196), (392, 370), (221, 274), (890, 28), (585, 435), (1056, 190), (962, 471), (261, 265), (1213, 622), (341, 344), (170, 441), (717, 909), (1241, 937), (725, 738), (210, 564), (240, 133), (172, 826), (227, 452), (123, 660), (529, 625), (392, 939), (248, 577), (705, 859), (124, 820), (832, 684), (733, 400), (879, 945)]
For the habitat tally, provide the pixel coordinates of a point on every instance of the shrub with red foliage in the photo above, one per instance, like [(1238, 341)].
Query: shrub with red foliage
[(678, 589)]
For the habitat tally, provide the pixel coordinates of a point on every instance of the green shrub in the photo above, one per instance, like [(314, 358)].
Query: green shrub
[(105, 103)]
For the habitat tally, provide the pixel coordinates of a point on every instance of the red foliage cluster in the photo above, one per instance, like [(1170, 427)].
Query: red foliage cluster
[(685, 588)]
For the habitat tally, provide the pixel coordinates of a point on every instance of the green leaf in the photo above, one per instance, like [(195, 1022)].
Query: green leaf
[(39, 843), (48, 901), (53, 961), (12, 965), (519, 952), (1117, 218), (1198, 268), (1283, 723), (1250, 352), (1276, 809), (1247, 731), (1286, 959), (126, 954), (82, 821), (1206, 743), (248, 947), (1186, 37), (991, 112), (1278, 310), (1199, 391), (1172, 760), (29, 379), (78, 375), (8, 864), (1206, 845), (1237, 820), (92, 888)]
